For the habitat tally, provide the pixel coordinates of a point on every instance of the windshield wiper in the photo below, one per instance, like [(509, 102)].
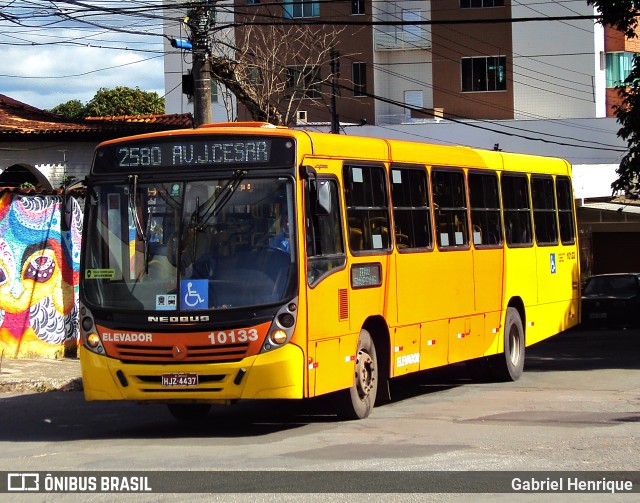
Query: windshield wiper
[(220, 200), (133, 208)]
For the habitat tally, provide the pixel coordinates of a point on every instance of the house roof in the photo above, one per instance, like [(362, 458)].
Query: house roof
[(19, 121)]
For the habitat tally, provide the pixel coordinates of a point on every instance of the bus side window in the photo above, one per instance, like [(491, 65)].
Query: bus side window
[(544, 210), (324, 238), (484, 199), (367, 207), (517, 209), (450, 201), (410, 200), (565, 210)]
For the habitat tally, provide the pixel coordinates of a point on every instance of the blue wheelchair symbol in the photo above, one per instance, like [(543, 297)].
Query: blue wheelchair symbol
[(553, 263), (195, 294)]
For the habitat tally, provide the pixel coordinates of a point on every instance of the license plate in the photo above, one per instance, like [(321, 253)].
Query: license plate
[(169, 380)]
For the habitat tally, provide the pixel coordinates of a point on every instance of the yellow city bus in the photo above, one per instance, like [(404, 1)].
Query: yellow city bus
[(246, 261)]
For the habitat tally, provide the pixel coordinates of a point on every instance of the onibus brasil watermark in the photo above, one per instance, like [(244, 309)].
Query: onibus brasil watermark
[(68, 483), (336, 481)]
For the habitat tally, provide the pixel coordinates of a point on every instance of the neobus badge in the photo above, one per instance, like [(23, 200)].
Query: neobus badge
[(178, 319)]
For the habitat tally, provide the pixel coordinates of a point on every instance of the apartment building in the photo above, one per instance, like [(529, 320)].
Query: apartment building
[(408, 61)]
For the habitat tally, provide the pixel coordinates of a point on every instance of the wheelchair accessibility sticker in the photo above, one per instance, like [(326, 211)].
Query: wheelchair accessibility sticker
[(194, 294), (552, 263)]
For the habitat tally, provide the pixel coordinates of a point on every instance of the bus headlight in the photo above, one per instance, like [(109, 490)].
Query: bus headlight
[(89, 333), (282, 327), (279, 337), (93, 340)]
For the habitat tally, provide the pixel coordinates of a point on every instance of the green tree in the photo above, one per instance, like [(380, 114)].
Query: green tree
[(623, 15), (72, 109), (619, 14), (124, 101)]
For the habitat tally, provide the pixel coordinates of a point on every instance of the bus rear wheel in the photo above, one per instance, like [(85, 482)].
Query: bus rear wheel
[(357, 401), (189, 412), (509, 365)]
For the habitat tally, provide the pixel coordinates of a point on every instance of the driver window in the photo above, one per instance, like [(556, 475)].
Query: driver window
[(325, 242)]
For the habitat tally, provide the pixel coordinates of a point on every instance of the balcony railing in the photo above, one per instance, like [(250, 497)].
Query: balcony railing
[(402, 40)]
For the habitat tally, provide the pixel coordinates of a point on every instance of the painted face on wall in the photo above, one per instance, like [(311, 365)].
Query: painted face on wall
[(38, 274), (31, 278)]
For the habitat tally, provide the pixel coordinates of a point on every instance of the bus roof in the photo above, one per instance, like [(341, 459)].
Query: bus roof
[(376, 149)]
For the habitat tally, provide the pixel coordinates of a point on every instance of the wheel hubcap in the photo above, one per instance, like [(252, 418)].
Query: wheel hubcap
[(365, 374)]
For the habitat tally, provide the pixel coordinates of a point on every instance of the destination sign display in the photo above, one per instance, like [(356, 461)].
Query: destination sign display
[(194, 152), (366, 275)]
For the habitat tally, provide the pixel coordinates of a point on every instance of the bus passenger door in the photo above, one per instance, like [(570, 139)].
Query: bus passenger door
[(488, 255), (488, 273), (330, 348)]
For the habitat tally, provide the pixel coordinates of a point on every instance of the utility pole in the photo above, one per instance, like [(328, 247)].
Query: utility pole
[(202, 17), (335, 73)]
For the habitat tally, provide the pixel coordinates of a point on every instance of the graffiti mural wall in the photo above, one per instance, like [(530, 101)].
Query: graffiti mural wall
[(39, 270)]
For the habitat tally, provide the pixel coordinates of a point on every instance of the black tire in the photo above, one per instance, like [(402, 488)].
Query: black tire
[(509, 365), (189, 412), (357, 401)]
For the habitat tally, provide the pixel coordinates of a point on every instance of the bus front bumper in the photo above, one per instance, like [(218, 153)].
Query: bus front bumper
[(277, 374)]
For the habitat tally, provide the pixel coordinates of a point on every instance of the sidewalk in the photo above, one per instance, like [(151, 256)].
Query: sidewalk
[(37, 375)]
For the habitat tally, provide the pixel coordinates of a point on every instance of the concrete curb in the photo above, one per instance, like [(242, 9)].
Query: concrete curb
[(40, 375), (39, 386)]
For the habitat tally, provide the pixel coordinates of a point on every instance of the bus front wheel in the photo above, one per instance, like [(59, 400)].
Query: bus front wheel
[(357, 401), (509, 365)]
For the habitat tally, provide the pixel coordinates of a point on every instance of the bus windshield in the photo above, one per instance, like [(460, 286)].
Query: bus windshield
[(208, 244)]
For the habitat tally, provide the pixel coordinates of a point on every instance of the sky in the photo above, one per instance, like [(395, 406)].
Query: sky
[(55, 51)]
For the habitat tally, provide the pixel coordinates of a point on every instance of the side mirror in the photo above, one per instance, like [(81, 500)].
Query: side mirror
[(66, 203)]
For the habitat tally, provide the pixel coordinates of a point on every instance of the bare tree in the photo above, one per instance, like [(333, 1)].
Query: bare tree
[(270, 68)]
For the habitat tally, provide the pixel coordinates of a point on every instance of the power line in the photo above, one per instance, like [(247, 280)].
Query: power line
[(85, 10), (83, 73)]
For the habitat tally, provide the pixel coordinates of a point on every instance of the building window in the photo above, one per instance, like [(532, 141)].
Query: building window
[(413, 100), (254, 75), (301, 8), (357, 7), (303, 82), (474, 4), (214, 91), (411, 33), (359, 79), (484, 74), (619, 66)]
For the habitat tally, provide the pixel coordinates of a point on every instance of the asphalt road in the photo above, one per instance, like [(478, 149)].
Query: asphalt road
[(576, 408)]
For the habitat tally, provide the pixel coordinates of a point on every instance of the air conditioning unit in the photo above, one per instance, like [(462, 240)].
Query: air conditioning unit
[(301, 117)]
